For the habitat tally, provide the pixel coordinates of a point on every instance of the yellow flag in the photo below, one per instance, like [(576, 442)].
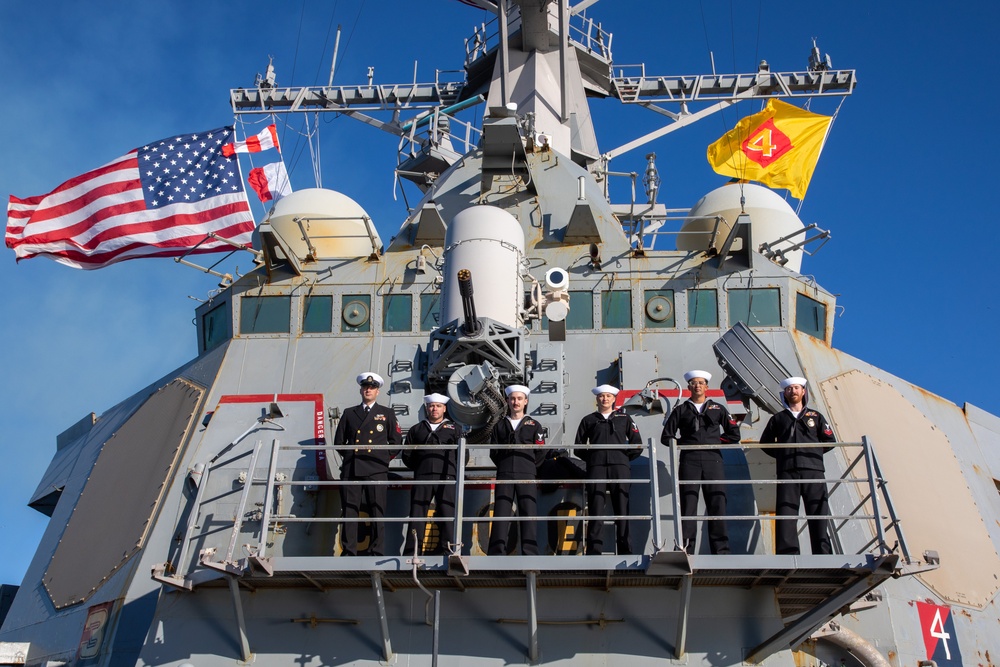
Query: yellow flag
[(778, 147)]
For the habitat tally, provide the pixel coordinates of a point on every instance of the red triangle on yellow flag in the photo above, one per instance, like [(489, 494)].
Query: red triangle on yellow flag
[(778, 147)]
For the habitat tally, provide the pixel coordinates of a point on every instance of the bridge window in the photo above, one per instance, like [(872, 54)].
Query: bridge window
[(355, 313), (810, 316), (215, 327), (616, 309), (397, 312), (265, 314), (581, 311), (317, 314), (759, 307), (659, 308), (430, 311), (703, 308)]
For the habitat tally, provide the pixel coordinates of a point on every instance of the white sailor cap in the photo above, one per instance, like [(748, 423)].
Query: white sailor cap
[(604, 389), (369, 378), (517, 387), (436, 398), (704, 375), (793, 380)]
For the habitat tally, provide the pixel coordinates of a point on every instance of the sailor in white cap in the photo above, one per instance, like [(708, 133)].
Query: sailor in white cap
[(798, 423), (361, 428), (607, 426), (432, 464), (516, 464), (701, 421)]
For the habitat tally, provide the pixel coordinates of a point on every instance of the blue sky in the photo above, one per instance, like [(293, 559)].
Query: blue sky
[(900, 184)]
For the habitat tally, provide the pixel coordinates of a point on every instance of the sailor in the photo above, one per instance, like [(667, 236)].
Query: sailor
[(607, 426), (516, 464), (797, 423), (701, 421), (363, 426), (432, 464)]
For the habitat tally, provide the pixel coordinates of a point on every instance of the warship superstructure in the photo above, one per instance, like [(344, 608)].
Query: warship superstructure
[(196, 522)]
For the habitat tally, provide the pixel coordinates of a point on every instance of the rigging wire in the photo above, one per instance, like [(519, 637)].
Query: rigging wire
[(295, 61), (326, 42), (242, 123), (829, 129), (313, 134), (734, 142)]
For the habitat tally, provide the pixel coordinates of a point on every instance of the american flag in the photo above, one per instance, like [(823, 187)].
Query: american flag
[(161, 200)]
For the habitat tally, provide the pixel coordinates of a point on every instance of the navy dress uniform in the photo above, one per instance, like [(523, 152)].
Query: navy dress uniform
[(702, 422), (362, 426), (516, 464), (432, 465), (614, 428), (799, 464)]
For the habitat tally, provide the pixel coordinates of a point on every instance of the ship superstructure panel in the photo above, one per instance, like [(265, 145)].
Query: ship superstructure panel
[(229, 530)]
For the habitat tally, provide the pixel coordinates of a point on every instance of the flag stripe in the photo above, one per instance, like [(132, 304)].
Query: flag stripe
[(70, 195), (237, 233), (141, 226), (126, 215), (270, 182), (160, 200), (262, 141), (124, 162), (92, 207), (127, 247)]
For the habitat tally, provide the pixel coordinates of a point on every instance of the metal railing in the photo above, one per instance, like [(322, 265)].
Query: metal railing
[(462, 482), (870, 504), (273, 484), (586, 33)]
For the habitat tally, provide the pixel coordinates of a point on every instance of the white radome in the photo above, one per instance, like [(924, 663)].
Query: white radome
[(334, 222), (771, 218)]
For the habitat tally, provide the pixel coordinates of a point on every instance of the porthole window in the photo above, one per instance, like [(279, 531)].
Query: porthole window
[(659, 308), (355, 313)]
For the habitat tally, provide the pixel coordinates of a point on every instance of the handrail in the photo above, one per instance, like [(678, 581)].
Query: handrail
[(867, 505), (875, 493)]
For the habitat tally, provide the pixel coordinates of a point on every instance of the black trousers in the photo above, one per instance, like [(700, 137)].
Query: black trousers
[(443, 495), (353, 499), (527, 505), (597, 506), (697, 466), (816, 502)]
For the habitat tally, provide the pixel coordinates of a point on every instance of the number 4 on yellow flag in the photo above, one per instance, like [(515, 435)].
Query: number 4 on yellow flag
[(778, 147)]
